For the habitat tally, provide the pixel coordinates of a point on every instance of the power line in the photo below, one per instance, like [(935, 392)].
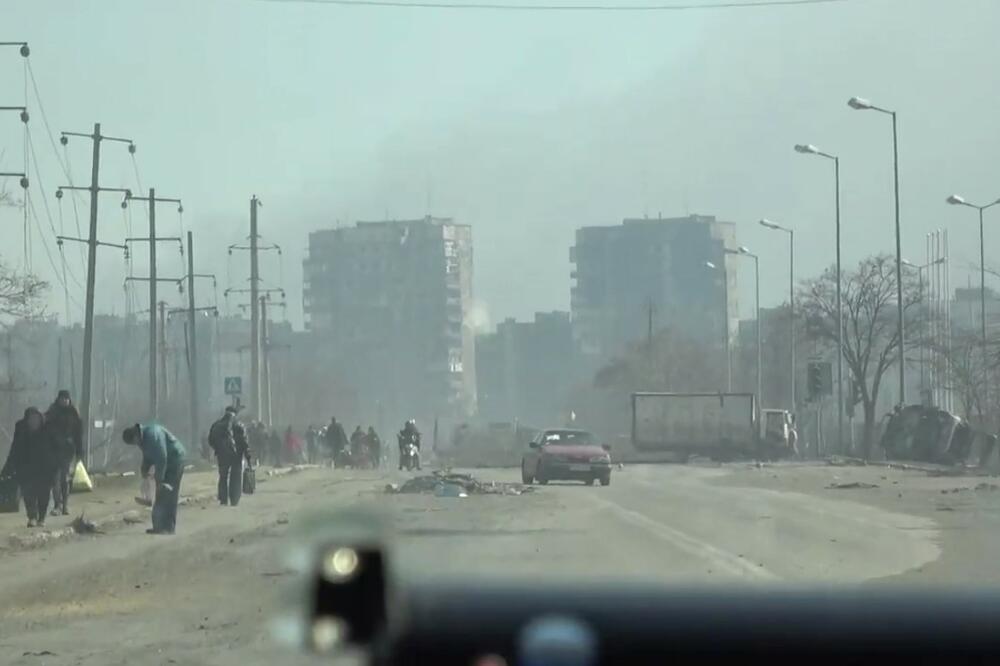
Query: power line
[(63, 159), (45, 202), (48, 251), (402, 4)]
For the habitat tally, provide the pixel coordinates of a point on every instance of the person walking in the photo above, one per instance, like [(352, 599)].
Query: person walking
[(274, 446), (32, 463), (293, 447), (64, 423), (336, 442), (164, 454), (228, 440), (311, 436), (375, 447)]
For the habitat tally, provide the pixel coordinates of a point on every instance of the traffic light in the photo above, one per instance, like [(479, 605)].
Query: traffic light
[(855, 393), (819, 380)]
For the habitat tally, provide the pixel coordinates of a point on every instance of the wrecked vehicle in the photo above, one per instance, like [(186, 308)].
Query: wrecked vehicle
[(933, 435)]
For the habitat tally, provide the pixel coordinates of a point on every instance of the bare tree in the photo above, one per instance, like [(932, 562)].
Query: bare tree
[(971, 372), (668, 362), (870, 336), (21, 294)]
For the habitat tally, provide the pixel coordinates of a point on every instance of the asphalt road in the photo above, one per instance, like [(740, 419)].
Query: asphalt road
[(210, 594)]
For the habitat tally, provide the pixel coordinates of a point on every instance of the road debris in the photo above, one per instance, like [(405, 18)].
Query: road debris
[(445, 483), (132, 518), (449, 490), (83, 525), (851, 486)]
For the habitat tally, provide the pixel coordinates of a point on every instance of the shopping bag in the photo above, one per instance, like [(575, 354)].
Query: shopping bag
[(10, 495), (147, 491), (249, 479), (81, 482)]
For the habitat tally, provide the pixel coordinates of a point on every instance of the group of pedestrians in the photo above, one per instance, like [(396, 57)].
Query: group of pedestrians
[(43, 455), (47, 447), (331, 444)]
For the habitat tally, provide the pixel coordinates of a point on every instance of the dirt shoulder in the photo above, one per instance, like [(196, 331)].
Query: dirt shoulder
[(966, 509)]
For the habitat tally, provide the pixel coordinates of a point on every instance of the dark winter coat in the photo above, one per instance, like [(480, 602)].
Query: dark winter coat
[(336, 438), (34, 454), (66, 426)]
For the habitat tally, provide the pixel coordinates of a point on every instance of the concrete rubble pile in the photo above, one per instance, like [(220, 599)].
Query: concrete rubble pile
[(445, 483)]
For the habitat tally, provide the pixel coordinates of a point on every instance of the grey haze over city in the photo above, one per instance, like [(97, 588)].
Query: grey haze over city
[(525, 125), (513, 378)]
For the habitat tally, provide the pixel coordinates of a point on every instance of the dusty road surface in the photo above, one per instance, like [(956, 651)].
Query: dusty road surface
[(209, 594)]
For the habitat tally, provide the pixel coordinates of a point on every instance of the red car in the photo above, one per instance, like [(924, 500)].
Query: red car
[(562, 454)]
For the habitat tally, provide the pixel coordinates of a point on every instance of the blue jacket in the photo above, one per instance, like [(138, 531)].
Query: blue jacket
[(160, 449)]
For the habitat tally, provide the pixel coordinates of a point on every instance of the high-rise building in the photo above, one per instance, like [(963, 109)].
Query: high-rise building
[(390, 303), (524, 370), (651, 274)]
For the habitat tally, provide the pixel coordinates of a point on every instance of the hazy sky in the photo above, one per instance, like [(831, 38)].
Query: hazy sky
[(525, 125)]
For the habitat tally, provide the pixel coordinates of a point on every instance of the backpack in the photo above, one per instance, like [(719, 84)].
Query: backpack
[(220, 438)]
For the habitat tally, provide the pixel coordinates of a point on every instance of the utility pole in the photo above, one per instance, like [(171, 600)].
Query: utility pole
[(649, 323), (59, 365), (152, 239), (155, 382), (266, 365), (255, 402), (23, 113), (92, 244), (255, 291), (267, 412), (163, 348), (193, 326)]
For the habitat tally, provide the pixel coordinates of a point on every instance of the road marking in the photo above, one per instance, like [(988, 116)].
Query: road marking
[(720, 559)]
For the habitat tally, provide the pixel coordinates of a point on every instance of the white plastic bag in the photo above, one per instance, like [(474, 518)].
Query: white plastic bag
[(147, 491)]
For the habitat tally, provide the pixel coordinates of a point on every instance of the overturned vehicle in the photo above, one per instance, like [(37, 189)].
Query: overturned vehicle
[(933, 435)]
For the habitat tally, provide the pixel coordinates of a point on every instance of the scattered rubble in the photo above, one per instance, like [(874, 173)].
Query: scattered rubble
[(83, 525), (452, 484), (851, 486), (987, 486)]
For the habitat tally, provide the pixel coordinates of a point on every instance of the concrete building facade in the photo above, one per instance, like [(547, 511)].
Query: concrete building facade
[(525, 369), (655, 269), (390, 304)]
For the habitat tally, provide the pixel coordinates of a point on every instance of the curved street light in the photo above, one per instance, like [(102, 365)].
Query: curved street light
[(809, 149), (744, 251), (862, 104), (768, 224), (956, 200), (725, 322)]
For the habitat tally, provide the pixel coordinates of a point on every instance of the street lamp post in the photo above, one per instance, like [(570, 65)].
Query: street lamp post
[(791, 302), (725, 323), (743, 251), (920, 268), (861, 104), (809, 149), (956, 200)]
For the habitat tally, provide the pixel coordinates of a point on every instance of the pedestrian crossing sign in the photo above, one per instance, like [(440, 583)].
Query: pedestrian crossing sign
[(233, 385)]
